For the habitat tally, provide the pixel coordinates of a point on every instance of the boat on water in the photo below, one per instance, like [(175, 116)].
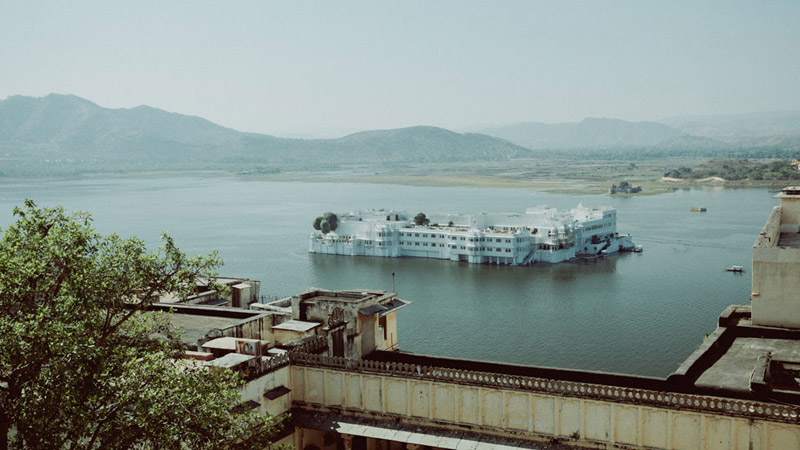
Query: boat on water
[(698, 208), (735, 269), (540, 234)]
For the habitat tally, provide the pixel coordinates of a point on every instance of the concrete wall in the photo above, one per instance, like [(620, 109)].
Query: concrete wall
[(255, 390), (390, 343), (790, 210), (776, 284), (544, 415), (370, 333)]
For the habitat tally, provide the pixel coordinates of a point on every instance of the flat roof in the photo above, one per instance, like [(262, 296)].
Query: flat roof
[(195, 327), (733, 369), (226, 343), (342, 298), (230, 360), (385, 308), (348, 296), (296, 325)]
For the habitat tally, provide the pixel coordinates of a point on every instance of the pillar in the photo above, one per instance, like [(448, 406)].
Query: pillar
[(347, 439)]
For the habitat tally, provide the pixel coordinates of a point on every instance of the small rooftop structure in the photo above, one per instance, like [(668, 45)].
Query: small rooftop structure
[(356, 322), (202, 323), (241, 293)]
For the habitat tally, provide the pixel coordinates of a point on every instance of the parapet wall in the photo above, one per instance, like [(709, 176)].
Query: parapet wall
[(661, 399), (776, 286), (771, 230), (538, 408)]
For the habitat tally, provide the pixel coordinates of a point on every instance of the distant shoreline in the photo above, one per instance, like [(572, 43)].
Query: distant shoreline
[(570, 186)]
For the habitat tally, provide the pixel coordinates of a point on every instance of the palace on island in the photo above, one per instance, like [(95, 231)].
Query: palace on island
[(541, 234)]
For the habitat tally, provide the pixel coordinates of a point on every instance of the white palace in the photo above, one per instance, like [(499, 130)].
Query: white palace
[(541, 234)]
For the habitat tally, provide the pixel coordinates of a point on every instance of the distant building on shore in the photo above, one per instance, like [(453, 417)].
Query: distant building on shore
[(624, 188)]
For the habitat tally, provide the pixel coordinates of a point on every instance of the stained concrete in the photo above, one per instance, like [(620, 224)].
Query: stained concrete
[(733, 369)]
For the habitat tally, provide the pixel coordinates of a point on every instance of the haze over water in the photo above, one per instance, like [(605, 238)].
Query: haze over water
[(631, 313)]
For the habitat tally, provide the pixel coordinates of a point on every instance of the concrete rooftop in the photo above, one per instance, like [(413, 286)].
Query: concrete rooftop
[(733, 369)]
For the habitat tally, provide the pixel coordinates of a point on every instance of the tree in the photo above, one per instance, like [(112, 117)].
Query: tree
[(317, 223), (420, 219), (79, 367), (332, 220), (325, 227)]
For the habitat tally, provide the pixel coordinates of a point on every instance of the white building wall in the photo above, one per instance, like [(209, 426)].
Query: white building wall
[(541, 234)]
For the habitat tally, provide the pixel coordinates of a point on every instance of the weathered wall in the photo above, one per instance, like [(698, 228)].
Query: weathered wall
[(390, 343), (369, 333), (776, 286), (672, 422), (790, 211), (255, 390)]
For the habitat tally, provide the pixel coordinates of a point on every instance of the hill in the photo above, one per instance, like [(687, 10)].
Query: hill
[(65, 130), (589, 133), (765, 129)]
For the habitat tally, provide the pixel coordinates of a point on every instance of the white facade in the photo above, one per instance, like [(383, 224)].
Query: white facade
[(540, 234)]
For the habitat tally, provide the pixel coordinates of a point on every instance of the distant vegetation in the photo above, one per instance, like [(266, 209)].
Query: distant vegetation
[(738, 169)]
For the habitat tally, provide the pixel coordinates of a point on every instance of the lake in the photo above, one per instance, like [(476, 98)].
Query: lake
[(630, 313)]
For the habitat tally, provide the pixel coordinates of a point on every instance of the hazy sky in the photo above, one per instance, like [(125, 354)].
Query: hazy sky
[(330, 67)]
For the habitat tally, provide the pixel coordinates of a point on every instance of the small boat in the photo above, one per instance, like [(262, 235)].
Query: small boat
[(698, 208), (735, 269), (637, 249)]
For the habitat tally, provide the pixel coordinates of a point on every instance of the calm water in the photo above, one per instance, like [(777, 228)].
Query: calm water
[(632, 313)]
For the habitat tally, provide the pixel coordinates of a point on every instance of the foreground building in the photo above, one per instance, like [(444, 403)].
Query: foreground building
[(329, 358), (541, 234)]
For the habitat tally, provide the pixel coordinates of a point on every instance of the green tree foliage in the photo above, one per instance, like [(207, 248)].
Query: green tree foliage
[(79, 367), (326, 223), (421, 219), (332, 220)]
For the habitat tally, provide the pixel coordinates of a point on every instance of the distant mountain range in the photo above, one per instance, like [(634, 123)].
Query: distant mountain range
[(590, 133), (66, 127), (58, 130), (745, 130), (755, 129)]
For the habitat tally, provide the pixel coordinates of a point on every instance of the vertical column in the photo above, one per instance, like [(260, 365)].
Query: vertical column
[(298, 436), (347, 439)]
